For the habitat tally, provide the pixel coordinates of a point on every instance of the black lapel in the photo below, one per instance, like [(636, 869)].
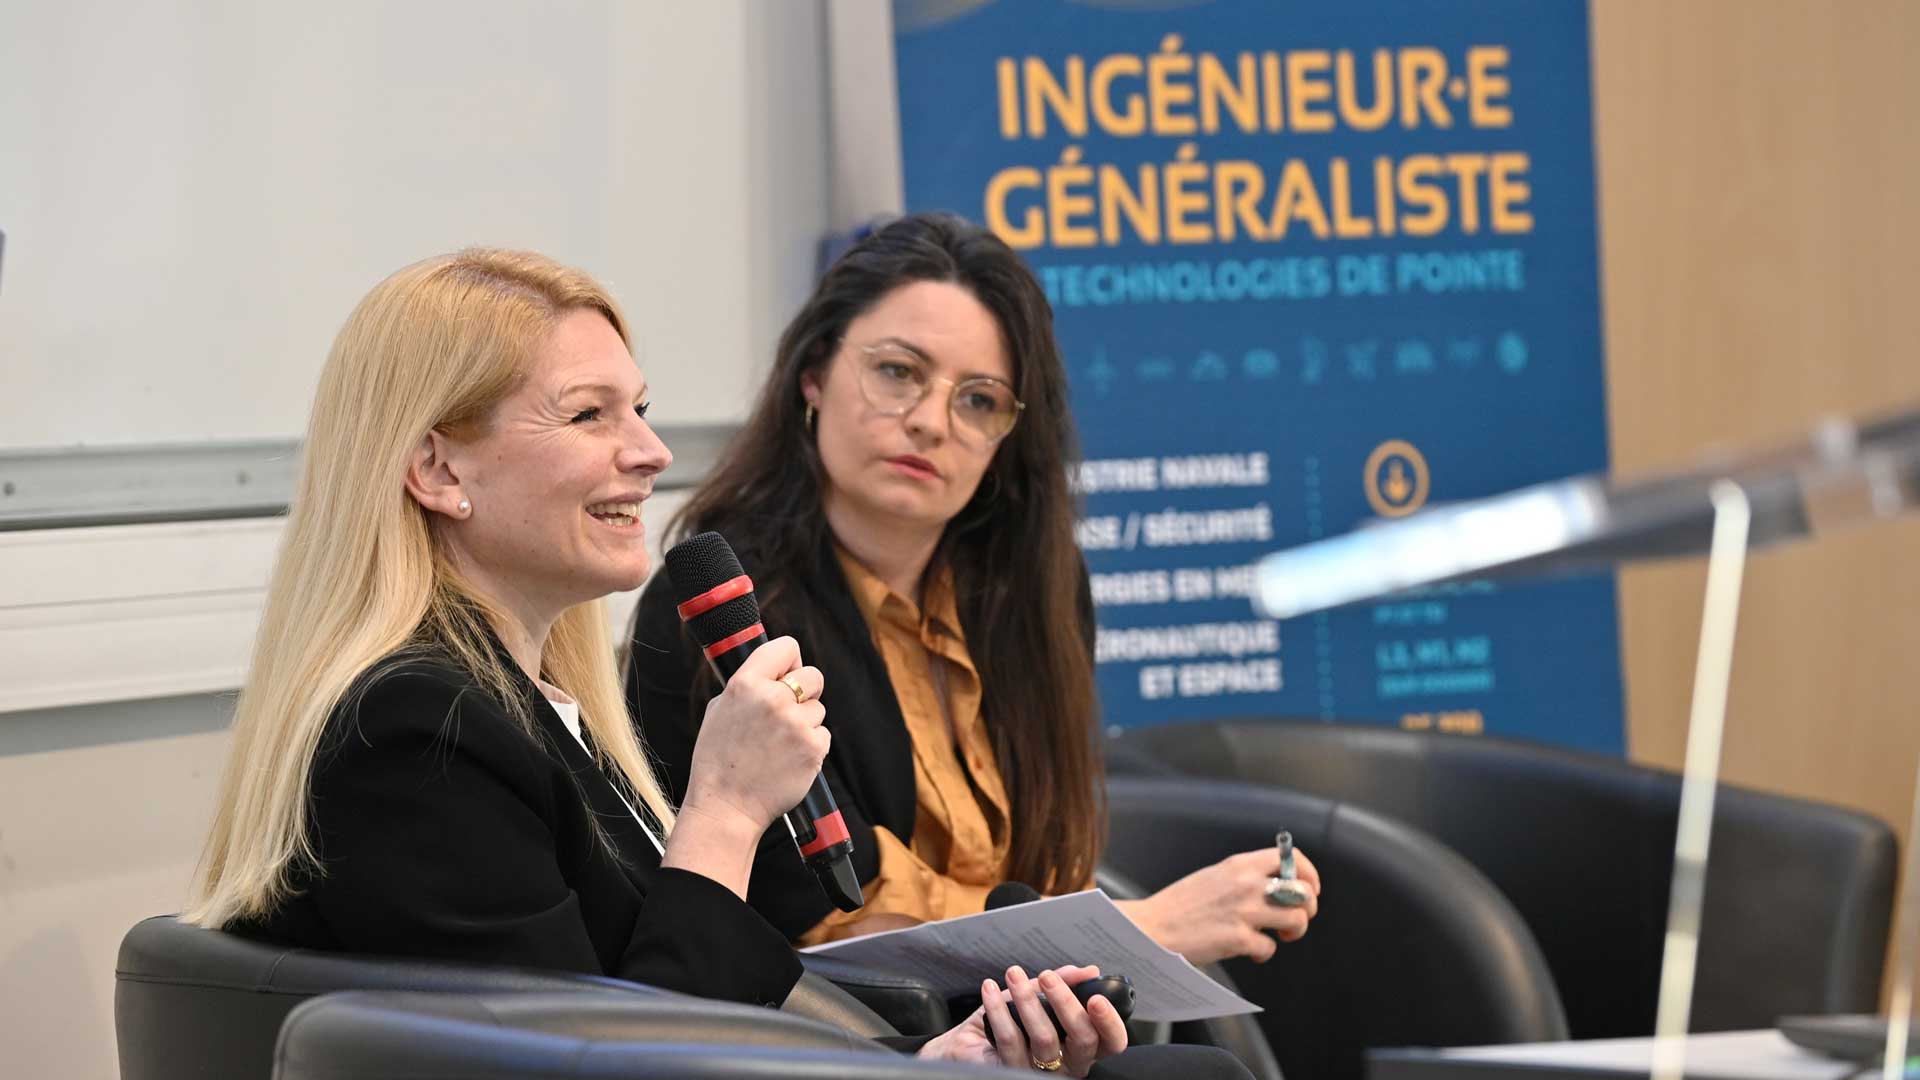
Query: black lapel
[(638, 858), (870, 743)]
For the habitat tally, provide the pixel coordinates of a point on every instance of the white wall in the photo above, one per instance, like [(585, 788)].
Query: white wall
[(102, 809), (194, 194), (867, 173)]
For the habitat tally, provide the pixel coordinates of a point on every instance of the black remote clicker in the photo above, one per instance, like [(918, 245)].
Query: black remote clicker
[(1117, 989)]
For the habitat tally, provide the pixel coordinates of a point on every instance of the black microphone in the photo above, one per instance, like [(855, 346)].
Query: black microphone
[(716, 602), (1117, 989), (1009, 893)]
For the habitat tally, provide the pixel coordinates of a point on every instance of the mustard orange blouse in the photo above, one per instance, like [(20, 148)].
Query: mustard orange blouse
[(961, 826)]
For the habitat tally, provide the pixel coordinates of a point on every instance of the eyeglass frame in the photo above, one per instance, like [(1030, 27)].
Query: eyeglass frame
[(953, 388)]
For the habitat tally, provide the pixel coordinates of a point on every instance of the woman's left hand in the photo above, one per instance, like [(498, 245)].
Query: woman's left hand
[(1023, 1037), (1222, 910)]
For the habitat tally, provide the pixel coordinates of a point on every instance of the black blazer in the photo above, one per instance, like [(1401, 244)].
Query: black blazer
[(445, 831), (870, 766)]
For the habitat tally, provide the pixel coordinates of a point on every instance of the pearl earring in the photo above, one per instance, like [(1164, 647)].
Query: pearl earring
[(465, 506)]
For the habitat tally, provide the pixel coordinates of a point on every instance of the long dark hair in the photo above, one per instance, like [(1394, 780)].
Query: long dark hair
[(1018, 575)]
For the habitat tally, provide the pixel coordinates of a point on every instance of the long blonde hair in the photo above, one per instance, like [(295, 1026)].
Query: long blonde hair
[(360, 573)]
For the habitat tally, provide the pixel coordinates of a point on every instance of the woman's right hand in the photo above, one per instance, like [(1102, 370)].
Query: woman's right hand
[(759, 748), (758, 751)]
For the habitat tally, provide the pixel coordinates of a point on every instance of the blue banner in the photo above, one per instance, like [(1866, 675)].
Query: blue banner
[(1311, 264)]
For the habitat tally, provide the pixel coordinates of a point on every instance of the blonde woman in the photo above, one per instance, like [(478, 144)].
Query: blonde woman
[(432, 756)]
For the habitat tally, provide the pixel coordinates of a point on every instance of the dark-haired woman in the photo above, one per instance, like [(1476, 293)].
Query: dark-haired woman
[(899, 498)]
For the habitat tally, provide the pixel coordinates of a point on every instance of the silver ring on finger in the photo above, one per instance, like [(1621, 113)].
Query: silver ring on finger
[(1286, 893)]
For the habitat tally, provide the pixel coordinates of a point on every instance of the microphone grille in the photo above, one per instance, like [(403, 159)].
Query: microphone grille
[(696, 565), (1009, 893), (700, 562), (726, 620)]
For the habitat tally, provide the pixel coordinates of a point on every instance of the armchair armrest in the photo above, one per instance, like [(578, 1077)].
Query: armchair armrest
[(908, 1003)]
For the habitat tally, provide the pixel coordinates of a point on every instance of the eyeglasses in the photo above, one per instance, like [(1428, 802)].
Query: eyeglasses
[(895, 380)]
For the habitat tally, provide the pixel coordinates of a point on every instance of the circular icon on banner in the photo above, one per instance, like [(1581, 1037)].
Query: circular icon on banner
[(1396, 479)]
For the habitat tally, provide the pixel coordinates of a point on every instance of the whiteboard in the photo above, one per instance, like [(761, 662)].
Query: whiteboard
[(195, 193)]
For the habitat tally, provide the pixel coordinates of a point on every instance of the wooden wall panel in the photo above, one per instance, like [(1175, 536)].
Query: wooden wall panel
[(1759, 174)]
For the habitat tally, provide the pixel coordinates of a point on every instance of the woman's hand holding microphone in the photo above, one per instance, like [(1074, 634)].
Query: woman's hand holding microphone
[(1023, 1037), (759, 748)]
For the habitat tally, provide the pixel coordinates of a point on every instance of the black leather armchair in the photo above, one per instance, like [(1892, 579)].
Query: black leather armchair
[(190, 1002), (497, 1036), (907, 1003), (1412, 946), (1798, 899), (413, 1036)]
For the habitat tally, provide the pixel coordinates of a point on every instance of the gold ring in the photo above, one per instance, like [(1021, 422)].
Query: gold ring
[(1049, 1066), (799, 692)]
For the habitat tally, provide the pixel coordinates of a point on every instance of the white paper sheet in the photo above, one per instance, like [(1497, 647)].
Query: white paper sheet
[(1082, 928)]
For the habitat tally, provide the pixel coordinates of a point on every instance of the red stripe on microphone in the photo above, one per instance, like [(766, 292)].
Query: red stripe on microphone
[(828, 831), (732, 641), (716, 596)]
